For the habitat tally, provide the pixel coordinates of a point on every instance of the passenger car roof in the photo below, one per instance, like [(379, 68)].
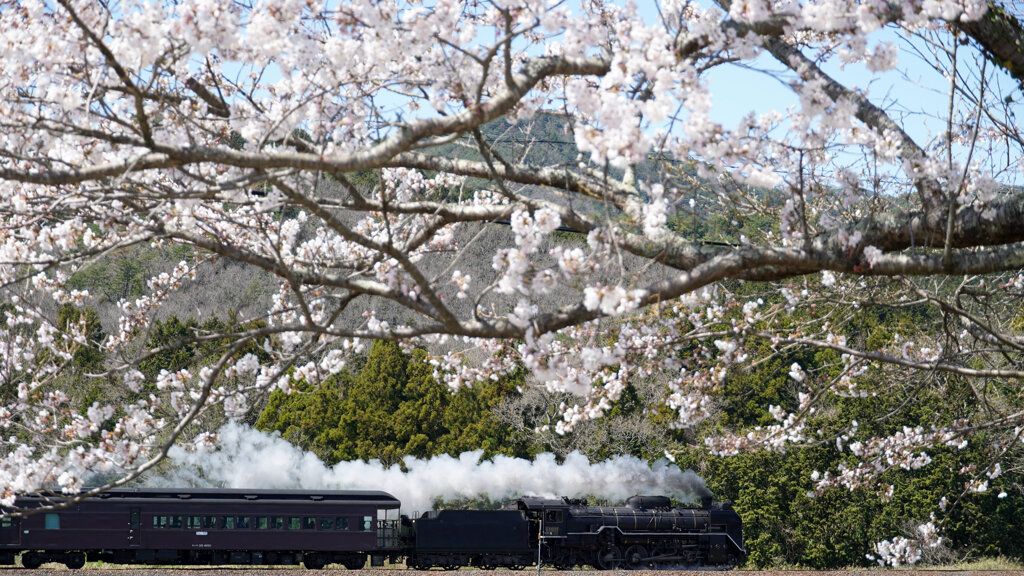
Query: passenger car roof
[(375, 498)]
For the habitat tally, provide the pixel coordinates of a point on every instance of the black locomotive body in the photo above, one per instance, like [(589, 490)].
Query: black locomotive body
[(484, 538), (315, 528), (647, 532)]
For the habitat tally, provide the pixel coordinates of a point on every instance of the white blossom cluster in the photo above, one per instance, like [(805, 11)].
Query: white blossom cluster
[(901, 551), (791, 428), (339, 148), (905, 450)]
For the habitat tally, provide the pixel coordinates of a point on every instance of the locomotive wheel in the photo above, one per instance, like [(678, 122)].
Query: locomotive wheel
[(31, 561), (636, 557), (609, 557), (563, 560), (75, 561), (664, 555), (314, 561), (354, 563)]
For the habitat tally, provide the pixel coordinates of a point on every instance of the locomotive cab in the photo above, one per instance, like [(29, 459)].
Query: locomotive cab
[(725, 521), (553, 523)]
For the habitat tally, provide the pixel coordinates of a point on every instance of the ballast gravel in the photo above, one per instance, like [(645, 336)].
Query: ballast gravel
[(59, 570)]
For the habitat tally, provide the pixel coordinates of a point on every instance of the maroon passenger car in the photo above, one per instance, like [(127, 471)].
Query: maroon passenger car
[(196, 526)]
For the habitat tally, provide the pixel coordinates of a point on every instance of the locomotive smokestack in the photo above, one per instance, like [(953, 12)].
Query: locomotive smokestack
[(705, 502)]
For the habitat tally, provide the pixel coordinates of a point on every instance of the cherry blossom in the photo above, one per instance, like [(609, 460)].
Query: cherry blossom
[(359, 156)]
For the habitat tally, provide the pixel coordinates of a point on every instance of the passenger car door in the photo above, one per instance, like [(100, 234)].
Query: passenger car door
[(10, 531), (135, 527)]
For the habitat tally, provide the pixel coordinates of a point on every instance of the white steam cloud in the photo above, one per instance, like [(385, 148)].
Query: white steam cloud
[(247, 458)]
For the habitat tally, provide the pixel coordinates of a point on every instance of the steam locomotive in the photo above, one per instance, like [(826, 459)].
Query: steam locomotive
[(316, 528)]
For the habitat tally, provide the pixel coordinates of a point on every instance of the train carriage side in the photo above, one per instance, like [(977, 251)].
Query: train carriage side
[(149, 526)]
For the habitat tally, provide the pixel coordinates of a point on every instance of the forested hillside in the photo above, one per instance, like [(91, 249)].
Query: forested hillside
[(388, 406), (386, 403), (391, 407)]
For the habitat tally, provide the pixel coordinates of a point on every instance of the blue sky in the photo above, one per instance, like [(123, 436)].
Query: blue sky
[(917, 94)]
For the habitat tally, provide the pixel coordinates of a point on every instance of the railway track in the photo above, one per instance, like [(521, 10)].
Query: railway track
[(59, 570)]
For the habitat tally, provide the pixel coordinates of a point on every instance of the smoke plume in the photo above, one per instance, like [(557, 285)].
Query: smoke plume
[(247, 458)]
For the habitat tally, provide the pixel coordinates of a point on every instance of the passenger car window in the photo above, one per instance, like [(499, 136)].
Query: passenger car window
[(308, 523), (367, 523), (242, 522), (341, 523)]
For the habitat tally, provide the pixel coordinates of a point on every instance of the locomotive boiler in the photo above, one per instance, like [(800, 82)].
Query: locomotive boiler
[(646, 533)]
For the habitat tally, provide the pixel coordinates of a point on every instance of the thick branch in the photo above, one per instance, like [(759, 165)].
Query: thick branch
[(1002, 37), (914, 156)]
